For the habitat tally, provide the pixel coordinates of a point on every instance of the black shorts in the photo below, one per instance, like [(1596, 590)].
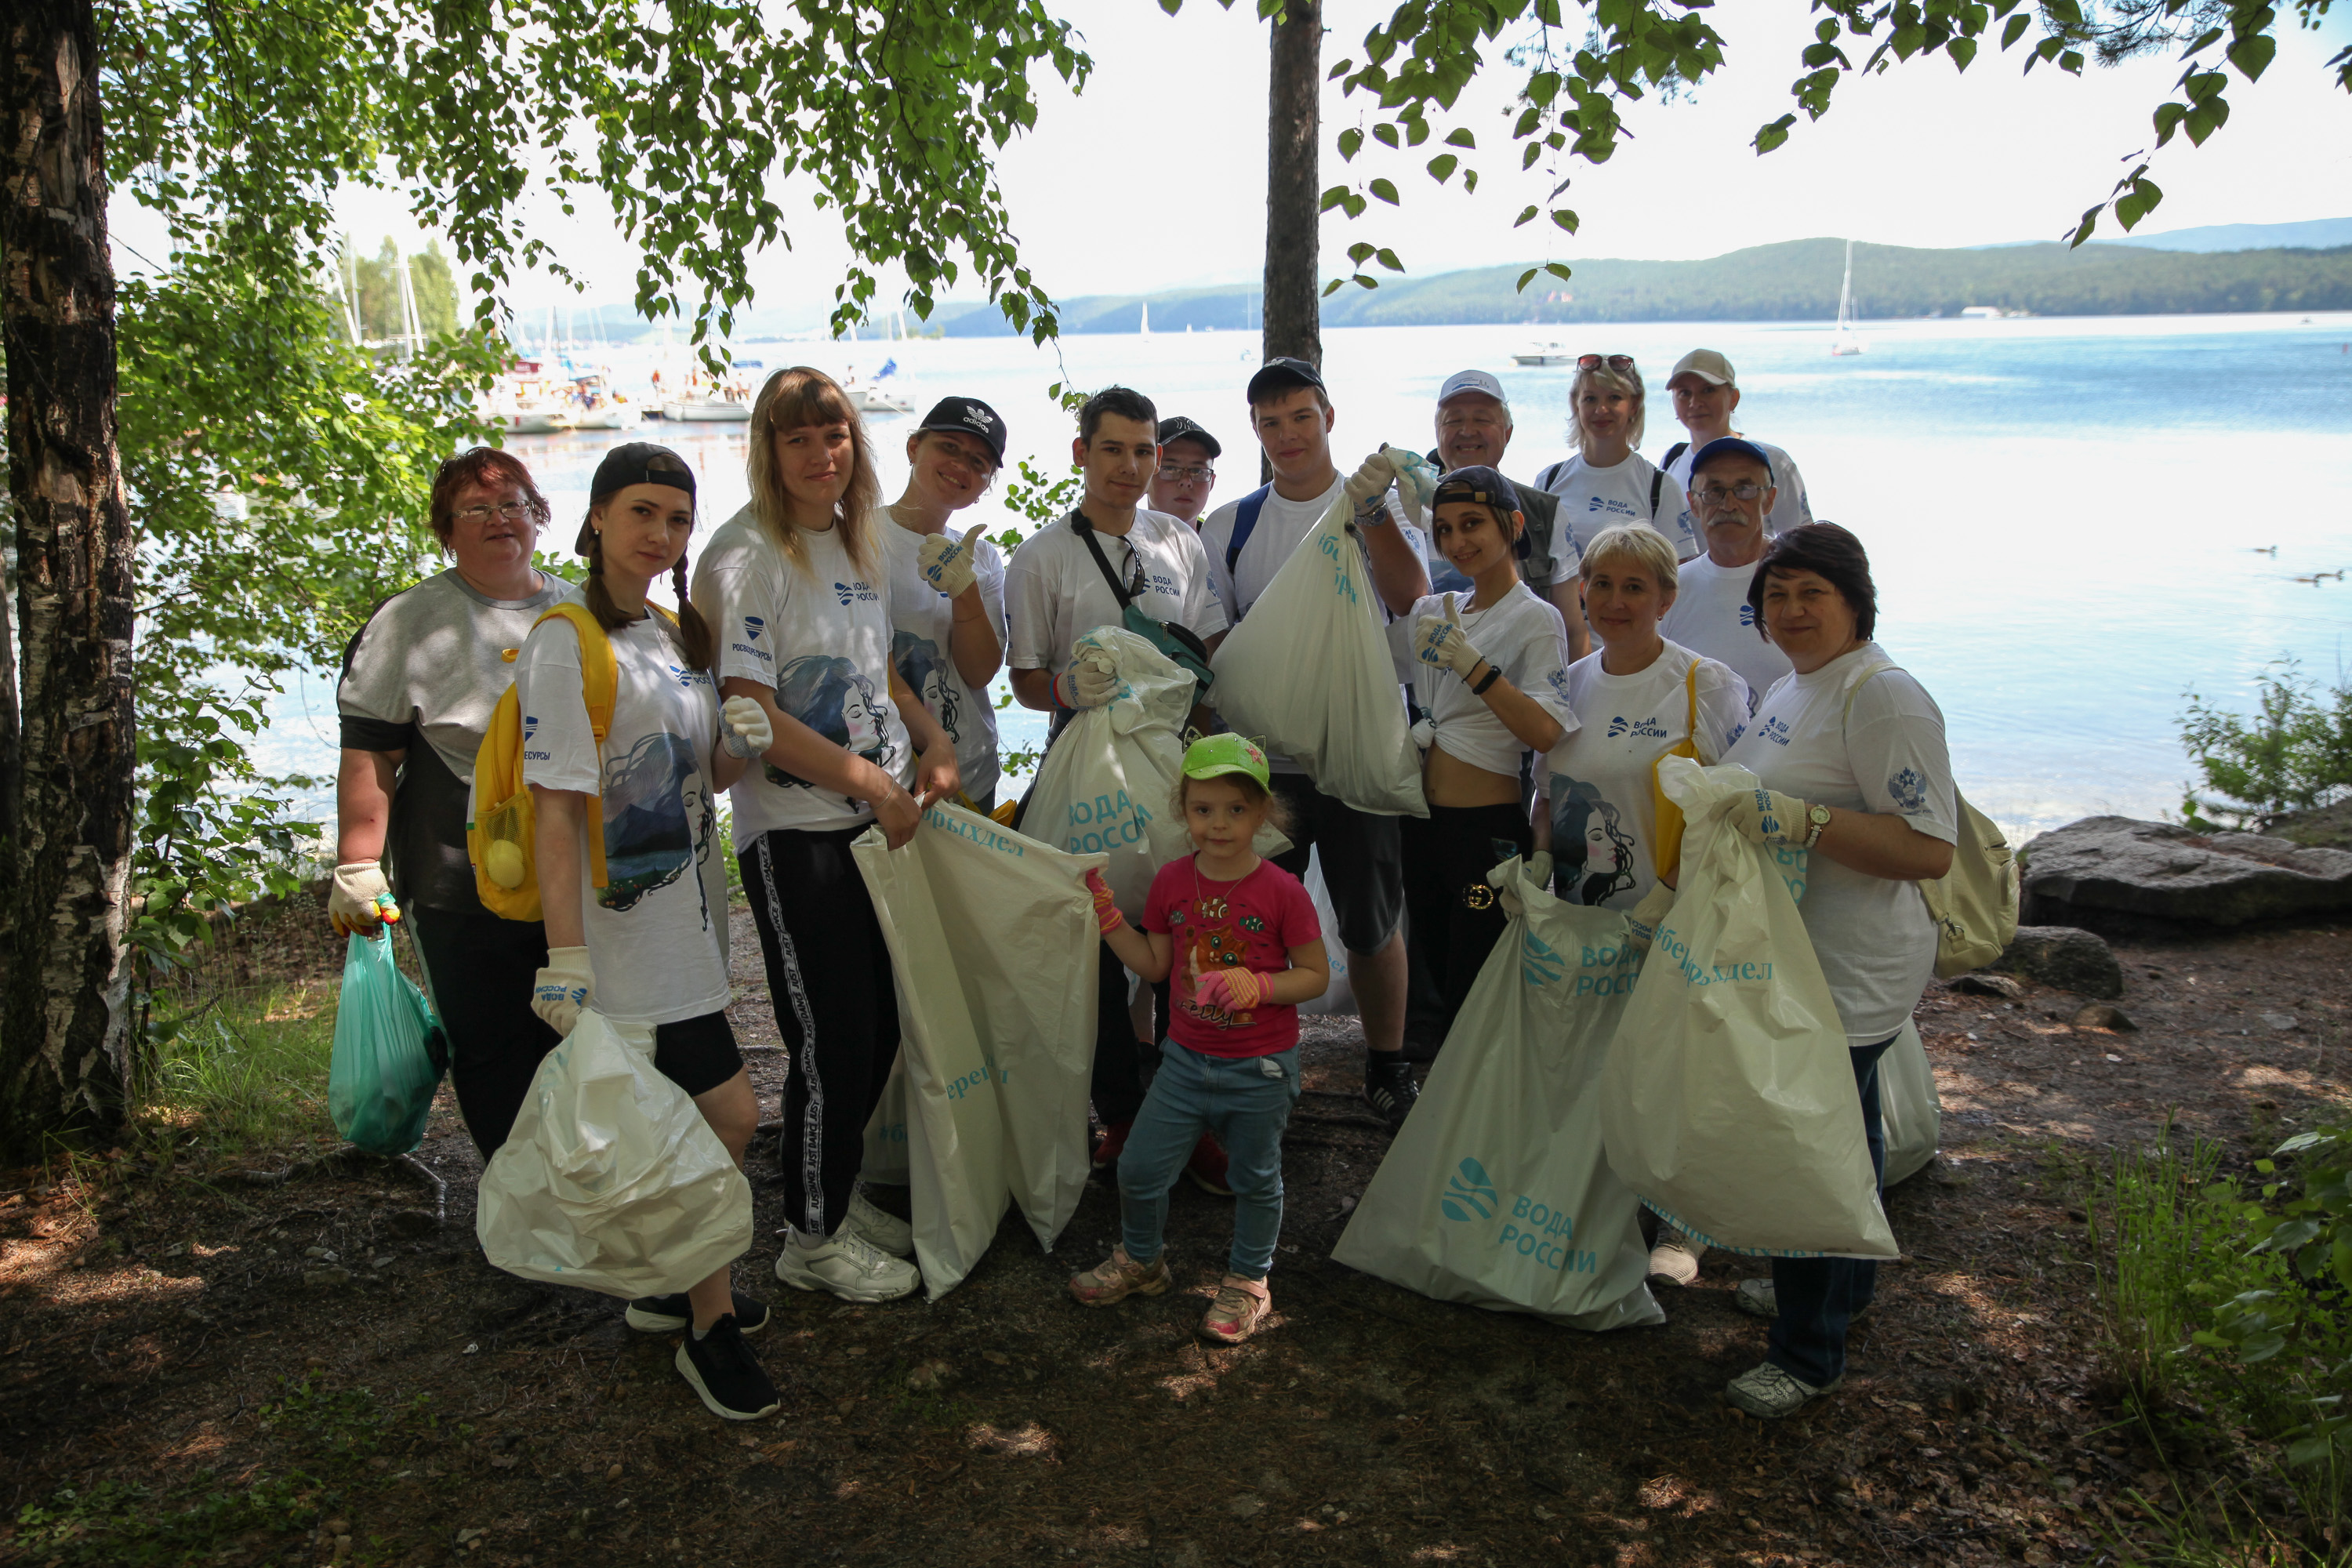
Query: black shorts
[(696, 1054), (1363, 861)]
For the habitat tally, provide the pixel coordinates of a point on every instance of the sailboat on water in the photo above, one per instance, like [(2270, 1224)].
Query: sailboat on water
[(1848, 339)]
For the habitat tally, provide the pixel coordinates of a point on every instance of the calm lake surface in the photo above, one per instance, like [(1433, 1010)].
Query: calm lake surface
[(2069, 520)]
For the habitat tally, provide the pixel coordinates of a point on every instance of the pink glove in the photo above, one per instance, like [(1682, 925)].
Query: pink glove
[(1106, 916), (1234, 990)]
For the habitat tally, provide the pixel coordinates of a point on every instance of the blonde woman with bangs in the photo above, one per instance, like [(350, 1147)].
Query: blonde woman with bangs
[(1607, 483), (796, 589)]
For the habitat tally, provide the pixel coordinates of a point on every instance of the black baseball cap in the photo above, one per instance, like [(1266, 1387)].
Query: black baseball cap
[(1282, 374), (632, 463), (968, 416), (1479, 483), (1177, 428)]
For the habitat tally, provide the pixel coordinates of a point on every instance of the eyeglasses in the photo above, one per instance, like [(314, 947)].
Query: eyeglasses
[(1193, 474), (512, 511), (1615, 362), (1715, 495)]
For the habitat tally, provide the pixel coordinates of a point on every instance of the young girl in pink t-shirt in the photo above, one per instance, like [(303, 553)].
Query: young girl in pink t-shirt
[(1245, 947)]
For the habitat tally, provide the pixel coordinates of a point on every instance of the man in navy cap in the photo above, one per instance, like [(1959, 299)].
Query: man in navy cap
[(1706, 394), (1188, 470), (1731, 493)]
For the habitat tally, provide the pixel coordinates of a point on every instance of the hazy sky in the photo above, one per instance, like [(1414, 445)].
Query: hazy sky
[(1921, 156)]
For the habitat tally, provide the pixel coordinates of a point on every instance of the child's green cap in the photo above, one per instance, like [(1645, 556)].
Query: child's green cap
[(1213, 754)]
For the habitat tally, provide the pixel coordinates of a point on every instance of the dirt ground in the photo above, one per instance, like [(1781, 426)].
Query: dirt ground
[(200, 1369)]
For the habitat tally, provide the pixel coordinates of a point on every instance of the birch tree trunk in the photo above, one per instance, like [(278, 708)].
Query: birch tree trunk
[(1292, 313), (66, 740)]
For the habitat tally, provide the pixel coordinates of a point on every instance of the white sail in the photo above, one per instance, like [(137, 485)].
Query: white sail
[(1848, 338)]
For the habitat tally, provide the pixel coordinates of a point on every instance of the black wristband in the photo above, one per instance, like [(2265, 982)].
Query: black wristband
[(1494, 674)]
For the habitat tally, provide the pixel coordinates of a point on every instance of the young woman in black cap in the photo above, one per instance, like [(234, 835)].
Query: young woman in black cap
[(650, 946), (947, 593), (1491, 676)]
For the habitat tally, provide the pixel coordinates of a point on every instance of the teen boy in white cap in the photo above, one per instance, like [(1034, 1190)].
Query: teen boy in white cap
[(1247, 541), (1707, 392), (1188, 470), (1474, 426)]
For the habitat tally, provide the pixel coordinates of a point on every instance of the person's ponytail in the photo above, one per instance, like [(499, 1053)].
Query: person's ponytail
[(609, 615), (693, 630)]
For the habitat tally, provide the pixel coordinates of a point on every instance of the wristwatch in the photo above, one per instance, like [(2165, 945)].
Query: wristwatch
[(1818, 815)]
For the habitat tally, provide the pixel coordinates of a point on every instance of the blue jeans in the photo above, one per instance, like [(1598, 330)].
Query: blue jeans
[(1818, 1296), (1245, 1101)]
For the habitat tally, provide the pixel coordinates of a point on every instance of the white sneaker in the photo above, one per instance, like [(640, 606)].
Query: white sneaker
[(848, 1265), (1770, 1394), (884, 1230), (1757, 1299), (1674, 1261)]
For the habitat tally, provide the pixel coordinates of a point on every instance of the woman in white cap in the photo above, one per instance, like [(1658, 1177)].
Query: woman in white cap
[(1607, 482), (947, 594)]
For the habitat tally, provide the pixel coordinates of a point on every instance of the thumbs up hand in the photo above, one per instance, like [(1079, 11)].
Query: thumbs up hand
[(948, 564), (1439, 641)]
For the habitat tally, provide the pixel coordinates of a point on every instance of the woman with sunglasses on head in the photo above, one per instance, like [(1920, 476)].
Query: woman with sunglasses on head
[(647, 947), (947, 593), (795, 584), (420, 680), (1607, 483)]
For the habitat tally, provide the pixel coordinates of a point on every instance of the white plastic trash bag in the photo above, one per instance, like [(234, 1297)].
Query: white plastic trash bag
[(1107, 786), (1498, 1192), (886, 1133), (1728, 1100), (1910, 1111), (611, 1179), (1339, 996), (1308, 674)]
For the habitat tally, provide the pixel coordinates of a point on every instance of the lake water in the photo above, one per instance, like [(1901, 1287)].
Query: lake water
[(2068, 518)]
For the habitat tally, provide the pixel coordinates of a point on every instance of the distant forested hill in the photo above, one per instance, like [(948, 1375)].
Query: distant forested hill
[(1796, 280)]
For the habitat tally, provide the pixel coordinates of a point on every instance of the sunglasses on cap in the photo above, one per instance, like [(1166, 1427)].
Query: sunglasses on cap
[(1615, 362)]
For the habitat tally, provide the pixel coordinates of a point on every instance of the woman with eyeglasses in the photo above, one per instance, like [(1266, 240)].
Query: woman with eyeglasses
[(419, 682), (947, 593), (1607, 483)]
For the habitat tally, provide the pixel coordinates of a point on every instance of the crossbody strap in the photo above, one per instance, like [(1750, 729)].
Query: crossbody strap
[(1086, 531)]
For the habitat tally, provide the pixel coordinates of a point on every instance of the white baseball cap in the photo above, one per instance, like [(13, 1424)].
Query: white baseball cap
[(1462, 381), (1707, 366)]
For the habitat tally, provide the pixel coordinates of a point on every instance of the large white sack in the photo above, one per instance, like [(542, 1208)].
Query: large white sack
[(886, 1133), (1498, 1191), (1910, 1111), (1022, 934), (1728, 1100), (1339, 996), (1309, 674), (1107, 786), (611, 1180)]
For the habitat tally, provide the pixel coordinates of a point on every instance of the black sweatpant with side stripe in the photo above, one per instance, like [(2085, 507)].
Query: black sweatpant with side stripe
[(829, 976)]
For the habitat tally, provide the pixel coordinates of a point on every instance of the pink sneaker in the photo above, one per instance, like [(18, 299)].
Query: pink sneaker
[(1119, 1277), (1240, 1307)]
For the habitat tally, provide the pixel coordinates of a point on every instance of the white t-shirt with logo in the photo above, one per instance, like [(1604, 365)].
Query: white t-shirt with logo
[(819, 636), (1520, 635), (1601, 781), (1710, 615), (1790, 505), (656, 931), (1872, 936), (923, 621), (1593, 498), (1054, 592)]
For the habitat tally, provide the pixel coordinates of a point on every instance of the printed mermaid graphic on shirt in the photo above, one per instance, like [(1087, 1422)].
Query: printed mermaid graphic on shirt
[(833, 697), (658, 821), (929, 676), (1592, 855)]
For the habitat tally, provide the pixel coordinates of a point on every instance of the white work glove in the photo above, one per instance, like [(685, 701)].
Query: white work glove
[(1766, 816), (1368, 484), (1416, 484), (360, 899), (1424, 733), (1439, 641), (1089, 683), (1648, 913), (743, 727), (562, 988), (947, 564), (1538, 867)]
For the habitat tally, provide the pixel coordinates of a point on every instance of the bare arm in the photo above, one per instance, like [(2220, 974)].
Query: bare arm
[(1145, 952), (1309, 976), (1880, 844), (1540, 818), (972, 641), (555, 846), (1400, 576), (364, 784), (1521, 713), (1567, 598), (1033, 689)]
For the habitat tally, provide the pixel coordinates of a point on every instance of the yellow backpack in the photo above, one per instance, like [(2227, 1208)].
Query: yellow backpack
[(499, 838)]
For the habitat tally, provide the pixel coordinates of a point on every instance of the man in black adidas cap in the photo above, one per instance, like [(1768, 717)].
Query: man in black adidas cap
[(1188, 470)]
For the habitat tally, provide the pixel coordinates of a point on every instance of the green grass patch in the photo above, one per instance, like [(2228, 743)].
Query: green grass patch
[(246, 1068)]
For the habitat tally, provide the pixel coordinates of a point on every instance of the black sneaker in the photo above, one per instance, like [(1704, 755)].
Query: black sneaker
[(669, 1314), (1389, 1086), (723, 1370)]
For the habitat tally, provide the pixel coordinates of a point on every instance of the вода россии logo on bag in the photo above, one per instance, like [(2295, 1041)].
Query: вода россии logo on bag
[(1540, 964), (1468, 1194)]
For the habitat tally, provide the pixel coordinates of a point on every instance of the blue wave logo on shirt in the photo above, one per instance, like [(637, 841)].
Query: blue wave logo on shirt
[(1746, 615), (1908, 790), (848, 592), (530, 725), (754, 628), (1620, 725), (1776, 730)]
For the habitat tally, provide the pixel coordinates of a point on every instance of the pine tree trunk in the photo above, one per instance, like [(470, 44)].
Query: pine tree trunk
[(66, 861), (1294, 128)]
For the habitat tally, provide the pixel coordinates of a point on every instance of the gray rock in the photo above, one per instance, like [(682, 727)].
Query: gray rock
[(2065, 959), (326, 1279), (2166, 870), (1983, 985), (2099, 1016)]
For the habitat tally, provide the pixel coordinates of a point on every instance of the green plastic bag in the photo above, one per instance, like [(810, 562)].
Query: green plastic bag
[(389, 1052)]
